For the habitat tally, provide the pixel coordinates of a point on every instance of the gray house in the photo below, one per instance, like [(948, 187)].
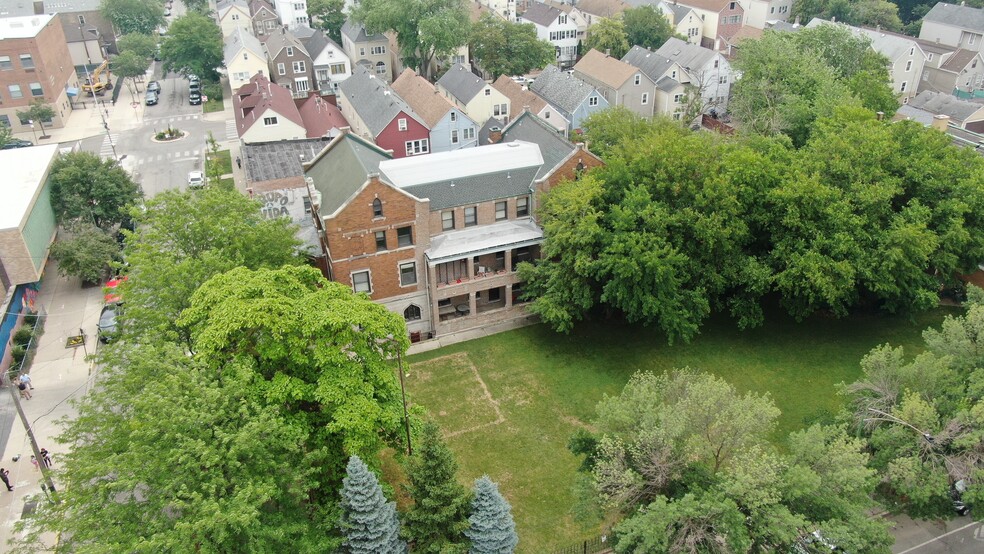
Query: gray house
[(264, 17), (290, 64), (620, 83), (572, 97), (960, 26), (369, 51), (450, 127)]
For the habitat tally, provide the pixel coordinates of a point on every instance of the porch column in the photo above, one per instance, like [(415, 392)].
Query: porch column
[(509, 295), (471, 267), (472, 303), (432, 295)]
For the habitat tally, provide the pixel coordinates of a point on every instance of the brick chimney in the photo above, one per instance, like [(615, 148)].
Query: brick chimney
[(495, 135), (941, 122)]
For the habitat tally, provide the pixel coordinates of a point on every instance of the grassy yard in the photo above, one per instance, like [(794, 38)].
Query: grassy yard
[(508, 403), (224, 159)]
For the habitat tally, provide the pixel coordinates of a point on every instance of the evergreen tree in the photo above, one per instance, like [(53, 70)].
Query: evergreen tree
[(491, 527), (368, 522), (438, 518)]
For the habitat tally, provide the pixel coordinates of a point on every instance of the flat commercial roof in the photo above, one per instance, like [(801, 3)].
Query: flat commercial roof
[(24, 169), (458, 164), (26, 26)]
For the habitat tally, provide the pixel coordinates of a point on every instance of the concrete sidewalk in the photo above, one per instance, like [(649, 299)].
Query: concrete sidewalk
[(59, 375), (472, 334)]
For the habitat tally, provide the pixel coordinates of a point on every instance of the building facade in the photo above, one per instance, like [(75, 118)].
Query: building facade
[(960, 26)]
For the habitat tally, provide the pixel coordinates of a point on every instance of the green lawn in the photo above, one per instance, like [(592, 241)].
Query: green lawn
[(224, 159), (508, 403)]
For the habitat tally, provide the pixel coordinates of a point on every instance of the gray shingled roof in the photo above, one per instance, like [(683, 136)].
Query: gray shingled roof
[(652, 64), (541, 14), (685, 54), (268, 161), (238, 40), (475, 189), (342, 168), (667, 84), (934, 102), (963, 17), (562, 90), (553, 146), (374, 100), (461, 83), (314, 40), (65, 6), (483, 133), (679, 12), (357, 32)]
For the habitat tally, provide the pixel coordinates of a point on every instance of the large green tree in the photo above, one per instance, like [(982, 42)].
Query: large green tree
[(368, 521), (87, 188), (140, 44), (329, 16), (311, 345), (608, 36), (193, 46), (85, 251), (870, 13), (647, 27), (38, 111), (129, 65), (438, 518), (504, 48), (183, 239), (490, 526), (426, 30), (165, 457), (134, 16)]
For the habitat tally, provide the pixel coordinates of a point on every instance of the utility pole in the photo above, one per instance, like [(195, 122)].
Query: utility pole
[(45, 470), (403, 389), (102, 114)]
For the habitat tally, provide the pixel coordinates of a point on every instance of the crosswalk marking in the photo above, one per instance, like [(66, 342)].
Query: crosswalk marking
[(231, 133), (186, 155), (106, 150)]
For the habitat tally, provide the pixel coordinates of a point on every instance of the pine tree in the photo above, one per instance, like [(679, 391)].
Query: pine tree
[(368, 522), (491, 527), (438, 518)]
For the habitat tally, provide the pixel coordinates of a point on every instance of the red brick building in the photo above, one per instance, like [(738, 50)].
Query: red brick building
[(437, 239)]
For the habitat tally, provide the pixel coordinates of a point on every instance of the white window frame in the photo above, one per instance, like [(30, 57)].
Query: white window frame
[(290, 51), (523, 203), (504, 212), (454, 136), (447, 217), (468, 133), (638, 79), (271, 121), (908, 66), (299, 67), (645, 98), (281, 69), (474, 213), (592, 101), (355, 287), (401, 124), (399, 271)]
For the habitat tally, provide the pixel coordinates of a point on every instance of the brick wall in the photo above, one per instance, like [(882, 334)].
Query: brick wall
[(53, 69), (486, 215)]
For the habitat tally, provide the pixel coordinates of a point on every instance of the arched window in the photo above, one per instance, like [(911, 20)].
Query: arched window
[(412, 313), (377, 208)]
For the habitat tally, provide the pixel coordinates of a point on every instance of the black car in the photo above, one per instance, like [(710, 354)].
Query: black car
[(194, 98), (106, 327), (16, 143)]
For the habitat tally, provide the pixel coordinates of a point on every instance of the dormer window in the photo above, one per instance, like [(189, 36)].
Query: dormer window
[(290, 51)]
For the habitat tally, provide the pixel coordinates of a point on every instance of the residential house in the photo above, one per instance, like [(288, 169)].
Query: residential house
[(232, 15), (505, 9), (679, 68), (955, 69), (34, 64), (473, 95), (555, 27), (568, 94), (331, 65), (596, 10), (450, 127), (759, 12), (962, 113), (376, 113), (685, 21), (89, 35), (721, 19), (370, 51), (621, 84), (521, 98), (265, 112), (290, 64), (438, 239), (941, 122), (960, 26), (580, 20), (264, 17), (243, 56), (905, 56), (292, 13), (27, 220)]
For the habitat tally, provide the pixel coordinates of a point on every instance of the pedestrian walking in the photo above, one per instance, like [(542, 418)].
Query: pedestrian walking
[(46, 457), (239, 162), (34, 462), (24, 391), (26, 379), (6, 480)]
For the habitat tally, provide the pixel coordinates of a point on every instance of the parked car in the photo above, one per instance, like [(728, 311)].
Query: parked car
[(196, 179), (16, 143), (151, 98), (106, 328), (194, 98), (956, 495), (154, 86), (194, 86)]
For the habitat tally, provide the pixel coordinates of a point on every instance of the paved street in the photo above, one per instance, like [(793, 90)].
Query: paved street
[(962, 535)]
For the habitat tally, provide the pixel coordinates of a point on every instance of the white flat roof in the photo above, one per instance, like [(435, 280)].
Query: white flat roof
[(483, 239), (25, 26), (24, 169), (466, 162)]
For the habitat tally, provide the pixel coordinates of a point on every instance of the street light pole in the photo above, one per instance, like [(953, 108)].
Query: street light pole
[(45, 470), (403, 390), (31, 123)]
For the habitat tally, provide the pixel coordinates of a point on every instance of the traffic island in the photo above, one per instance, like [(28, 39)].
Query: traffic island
[(169, 135)]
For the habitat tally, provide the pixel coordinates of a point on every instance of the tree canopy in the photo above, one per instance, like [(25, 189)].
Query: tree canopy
[(134, 16), (608, 36), (329, 16), (140, 44), (869, 13), (193, 46), (505, 48), (87, 188), (426, 30), (647, 27)]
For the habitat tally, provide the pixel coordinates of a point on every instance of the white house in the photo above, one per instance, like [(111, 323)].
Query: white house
[(331, 64), (472, 95), (960, 26), (685, 21), (758, 12), (678, 67), (293, 13), (244, 57), (232, 15), (555, 27)]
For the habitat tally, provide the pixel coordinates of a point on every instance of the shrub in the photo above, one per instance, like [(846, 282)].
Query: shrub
[(31, 319), (17, 353), (23, 335)]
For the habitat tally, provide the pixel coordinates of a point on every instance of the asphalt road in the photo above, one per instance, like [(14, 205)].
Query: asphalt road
[(962, 535)]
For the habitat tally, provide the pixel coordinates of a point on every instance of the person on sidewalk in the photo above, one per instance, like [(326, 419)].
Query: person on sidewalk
[(24, 391), (26, 379), (6, 480), (46, 457), (34, 462)]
